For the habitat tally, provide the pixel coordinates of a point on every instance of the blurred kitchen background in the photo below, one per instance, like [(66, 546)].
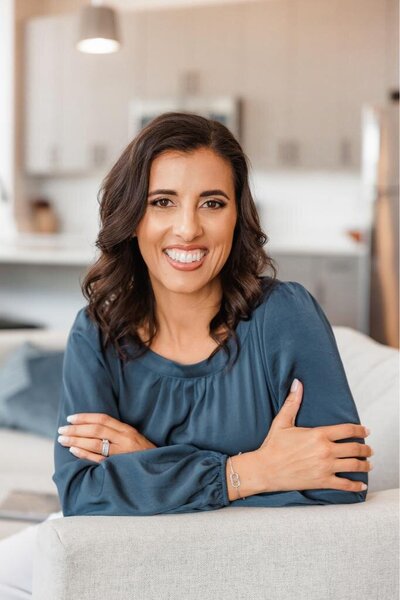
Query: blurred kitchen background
[(309, 87)]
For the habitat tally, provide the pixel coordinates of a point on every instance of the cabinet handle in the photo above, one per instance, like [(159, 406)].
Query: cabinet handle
[(99, 154), (54, 157)]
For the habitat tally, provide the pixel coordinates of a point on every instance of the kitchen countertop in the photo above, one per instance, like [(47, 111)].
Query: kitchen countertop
[(65, 250), (62, 250)]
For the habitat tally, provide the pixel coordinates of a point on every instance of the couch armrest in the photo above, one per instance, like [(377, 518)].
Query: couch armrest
[(287, 553)]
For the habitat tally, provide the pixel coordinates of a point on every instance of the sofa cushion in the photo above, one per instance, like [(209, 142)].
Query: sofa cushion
[(30, 387)]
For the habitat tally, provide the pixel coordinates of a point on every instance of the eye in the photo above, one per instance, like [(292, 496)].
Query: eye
[(220, 204), (154, 202)]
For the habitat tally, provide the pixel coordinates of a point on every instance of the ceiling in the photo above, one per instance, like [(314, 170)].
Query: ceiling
[(157, 4)]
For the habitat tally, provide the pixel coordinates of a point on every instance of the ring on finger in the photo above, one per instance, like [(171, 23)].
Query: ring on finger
[(105, 447)]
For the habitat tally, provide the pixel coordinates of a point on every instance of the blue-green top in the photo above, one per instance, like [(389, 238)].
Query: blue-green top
[(199, 414)]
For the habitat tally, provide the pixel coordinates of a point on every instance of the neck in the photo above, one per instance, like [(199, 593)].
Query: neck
[(184, 317)]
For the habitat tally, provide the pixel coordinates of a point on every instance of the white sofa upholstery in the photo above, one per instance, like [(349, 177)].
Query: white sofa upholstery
[(313, 552)]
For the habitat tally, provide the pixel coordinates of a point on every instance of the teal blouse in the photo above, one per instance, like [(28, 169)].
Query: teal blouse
[(199, 414)]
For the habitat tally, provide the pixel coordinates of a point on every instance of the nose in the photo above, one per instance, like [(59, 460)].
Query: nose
[(187, 223)]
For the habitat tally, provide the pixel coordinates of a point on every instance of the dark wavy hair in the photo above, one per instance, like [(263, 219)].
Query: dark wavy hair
[(117, 286)]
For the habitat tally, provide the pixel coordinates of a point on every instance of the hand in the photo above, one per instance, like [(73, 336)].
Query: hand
[(85, 435), (302, 458)]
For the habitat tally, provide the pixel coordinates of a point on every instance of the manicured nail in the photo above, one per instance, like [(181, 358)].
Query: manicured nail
[(62, 439), (62, 429), (71, 418), (364, 486), (367, 431), (74, 450), (294, 385)]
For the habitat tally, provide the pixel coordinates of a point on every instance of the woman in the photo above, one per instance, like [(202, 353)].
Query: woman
[(186, 353)]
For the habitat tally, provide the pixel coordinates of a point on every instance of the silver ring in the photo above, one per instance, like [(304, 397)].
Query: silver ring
[(105, 449)]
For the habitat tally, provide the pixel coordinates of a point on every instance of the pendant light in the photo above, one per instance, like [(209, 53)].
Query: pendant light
[(98, 29)]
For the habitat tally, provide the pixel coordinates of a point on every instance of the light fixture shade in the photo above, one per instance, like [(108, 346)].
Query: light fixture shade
[(98, 32)]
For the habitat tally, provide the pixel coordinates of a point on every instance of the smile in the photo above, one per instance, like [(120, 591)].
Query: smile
[(186, 261)]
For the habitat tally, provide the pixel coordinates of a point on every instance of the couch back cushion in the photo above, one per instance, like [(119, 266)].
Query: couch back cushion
[(372, 370)]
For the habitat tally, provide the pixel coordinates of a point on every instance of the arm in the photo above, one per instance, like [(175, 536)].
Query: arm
[(170, 479), (299, 342)]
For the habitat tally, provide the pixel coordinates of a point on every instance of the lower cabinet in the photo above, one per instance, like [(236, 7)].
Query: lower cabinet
[(340, 284)]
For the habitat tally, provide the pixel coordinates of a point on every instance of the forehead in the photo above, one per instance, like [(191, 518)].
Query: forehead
[(200, 166)]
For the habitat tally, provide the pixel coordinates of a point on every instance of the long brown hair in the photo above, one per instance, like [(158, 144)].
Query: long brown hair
[(118, 288)]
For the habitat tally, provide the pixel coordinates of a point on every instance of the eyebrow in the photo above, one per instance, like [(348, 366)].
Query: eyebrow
[(202, 195)]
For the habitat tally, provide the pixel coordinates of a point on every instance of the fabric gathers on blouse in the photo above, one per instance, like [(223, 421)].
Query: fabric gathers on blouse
[(199, 414)]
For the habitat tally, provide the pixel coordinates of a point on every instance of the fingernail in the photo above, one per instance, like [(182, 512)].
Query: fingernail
[(62, 439), (71, 418), (74, 450), (62, 429), (294, 385), (367, 431), (364, 486)]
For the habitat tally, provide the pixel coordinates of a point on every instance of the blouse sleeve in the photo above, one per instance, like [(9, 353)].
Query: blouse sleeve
[(299, 342), (171, 479)]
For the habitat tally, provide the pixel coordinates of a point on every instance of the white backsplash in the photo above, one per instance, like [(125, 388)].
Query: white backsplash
[(289, 202)]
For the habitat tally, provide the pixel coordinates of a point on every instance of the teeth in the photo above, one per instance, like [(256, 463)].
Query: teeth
[(185, 257)]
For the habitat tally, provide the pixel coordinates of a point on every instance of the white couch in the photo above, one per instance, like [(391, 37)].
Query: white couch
[(315, 552)]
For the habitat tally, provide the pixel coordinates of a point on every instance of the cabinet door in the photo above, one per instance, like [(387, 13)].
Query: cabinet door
[(337, 283), (297, 268), (73, 118), (43, 95), (339, 290)]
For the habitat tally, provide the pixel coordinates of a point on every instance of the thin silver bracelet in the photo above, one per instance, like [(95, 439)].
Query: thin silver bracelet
[(235, 479)]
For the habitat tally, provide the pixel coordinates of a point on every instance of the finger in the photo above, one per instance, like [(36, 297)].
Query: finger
[(344, 431), (85, 454), (340, 483), (90, 431), (347, 465), (97, 418), (352, 449), (288, 412), (92, 445)]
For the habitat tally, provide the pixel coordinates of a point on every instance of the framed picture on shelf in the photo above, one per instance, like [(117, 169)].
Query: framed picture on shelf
[(226, 110)]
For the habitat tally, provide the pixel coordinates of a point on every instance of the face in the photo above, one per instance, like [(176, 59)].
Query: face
[(196, 210)]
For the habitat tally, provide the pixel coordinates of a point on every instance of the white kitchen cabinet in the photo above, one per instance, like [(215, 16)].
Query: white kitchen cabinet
[(338, 283), (55, 99), (76, 104), (43, 95)]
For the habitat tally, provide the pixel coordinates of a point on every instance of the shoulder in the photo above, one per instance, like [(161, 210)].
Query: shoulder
[(85, 330), (292, 320), (282, 298), (290, 307)]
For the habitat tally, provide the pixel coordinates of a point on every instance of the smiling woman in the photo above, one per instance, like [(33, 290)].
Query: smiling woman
[(152, 409)]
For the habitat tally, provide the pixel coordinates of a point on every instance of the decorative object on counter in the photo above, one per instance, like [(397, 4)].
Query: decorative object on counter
[(44, 219), (99, 31), (358, 235)]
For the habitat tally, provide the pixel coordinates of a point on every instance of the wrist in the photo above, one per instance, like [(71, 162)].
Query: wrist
[(244, 466)]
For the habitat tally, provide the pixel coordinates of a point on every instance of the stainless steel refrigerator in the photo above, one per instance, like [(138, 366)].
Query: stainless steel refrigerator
[(380, 181)]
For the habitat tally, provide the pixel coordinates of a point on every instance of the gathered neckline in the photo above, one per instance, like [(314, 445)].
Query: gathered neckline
[(166, 366)]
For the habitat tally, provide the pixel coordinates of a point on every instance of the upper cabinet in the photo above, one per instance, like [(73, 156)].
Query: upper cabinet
[(303, 69), (76, 105)]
